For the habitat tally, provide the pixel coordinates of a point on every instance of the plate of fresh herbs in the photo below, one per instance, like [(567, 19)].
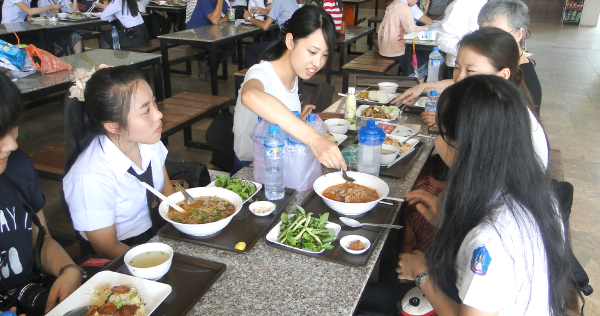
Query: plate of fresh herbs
[(305, 233), (244, 188)]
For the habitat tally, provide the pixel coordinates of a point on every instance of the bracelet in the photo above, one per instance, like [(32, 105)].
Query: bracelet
[(72, 265), (420, 278)]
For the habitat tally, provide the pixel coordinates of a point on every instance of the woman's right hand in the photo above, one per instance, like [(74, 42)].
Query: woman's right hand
[(100, 5), (56, 6), (409, 96), (327, 152), (428, 118), (426, 203)]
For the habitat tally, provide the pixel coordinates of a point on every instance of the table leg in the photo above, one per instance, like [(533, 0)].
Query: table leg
[(165, 66), (376, 6), (158, 85), (342, 52), (356, 14), (407, 58), (213, 65), (240, 59)]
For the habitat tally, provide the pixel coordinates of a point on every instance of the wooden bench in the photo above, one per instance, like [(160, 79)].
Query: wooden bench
[(180, 112), (373, 21), (239, 79), (369, 63)]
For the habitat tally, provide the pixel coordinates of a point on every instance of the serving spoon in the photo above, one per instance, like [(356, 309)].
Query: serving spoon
[(79, 311), (188, 198), (354, 223)]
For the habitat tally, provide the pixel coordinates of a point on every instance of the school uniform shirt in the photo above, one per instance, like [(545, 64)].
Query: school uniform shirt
[(238, 3), (142, 5), (127, 20), (282, 10), (100, 192), (460, 19), (501, 266), (201, 11), (66, 6), (11, 13), (16, 239), (398, 20), (416, 11), (334, 10), (244, 119)]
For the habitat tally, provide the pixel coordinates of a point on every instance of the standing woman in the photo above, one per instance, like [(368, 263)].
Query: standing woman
[(113, 131), (270, 89), (132, 30)]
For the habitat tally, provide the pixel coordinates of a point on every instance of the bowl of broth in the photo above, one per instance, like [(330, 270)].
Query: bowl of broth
[(149, 261), (388, 154)]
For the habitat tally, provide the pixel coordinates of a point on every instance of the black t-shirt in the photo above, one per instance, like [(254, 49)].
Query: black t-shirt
[(532, 82), (15, 223)]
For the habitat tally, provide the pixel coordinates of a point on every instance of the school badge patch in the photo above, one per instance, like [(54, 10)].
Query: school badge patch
[(480, 261)]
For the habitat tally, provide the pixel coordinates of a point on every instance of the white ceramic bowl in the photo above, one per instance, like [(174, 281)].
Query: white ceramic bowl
[(388, 87), (351, 209), (265, 207), (152, 273), (63, 15), (338, 126), (207, 229), (162, 2), (388, 159), (345, 242)]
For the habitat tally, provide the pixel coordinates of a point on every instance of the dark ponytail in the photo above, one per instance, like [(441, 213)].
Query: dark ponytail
[(302, 24), (11, 105), (107, 96), (132, 6)]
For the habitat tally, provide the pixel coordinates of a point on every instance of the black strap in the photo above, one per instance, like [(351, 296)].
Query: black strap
[(157, 221), (39, 243)]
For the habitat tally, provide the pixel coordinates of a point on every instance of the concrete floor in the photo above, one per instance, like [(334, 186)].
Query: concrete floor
[(568, 65)]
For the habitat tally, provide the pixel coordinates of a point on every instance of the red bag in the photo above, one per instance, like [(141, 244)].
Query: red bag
[(46, 62)]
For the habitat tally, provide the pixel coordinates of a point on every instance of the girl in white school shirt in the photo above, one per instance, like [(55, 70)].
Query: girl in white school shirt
[(113, 130), (132, 30), (14, 11)]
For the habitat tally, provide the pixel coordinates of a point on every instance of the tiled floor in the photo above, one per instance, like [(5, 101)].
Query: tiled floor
[(568, 65)]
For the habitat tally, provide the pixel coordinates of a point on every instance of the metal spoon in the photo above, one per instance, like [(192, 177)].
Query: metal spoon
[(79, 311), (354, 223), (188, 198), (346, 177), (409, 137), (162, 197)]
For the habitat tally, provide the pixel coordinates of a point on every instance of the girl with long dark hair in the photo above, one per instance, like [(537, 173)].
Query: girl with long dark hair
[(113, 129), (500, 239), (131, 27), (270, 89)]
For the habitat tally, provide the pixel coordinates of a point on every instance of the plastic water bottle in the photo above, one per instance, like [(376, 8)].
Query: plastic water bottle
[(258, 138), (115, 37), (435, 61), (292, 138), (311, 120), (431, 102), (274, 189)]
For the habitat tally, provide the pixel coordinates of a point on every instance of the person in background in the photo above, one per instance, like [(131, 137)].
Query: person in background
[(335, 9), (14, 11), (421, 17), (64, 42), (113, 129), (258, 8), (270, 89), (159, 20), (208, 12), (398, 21), (500, 245), (460, 19), (24, 223), (281, 11), (437, 7), (512, 16), (132, 30), (240, 6)]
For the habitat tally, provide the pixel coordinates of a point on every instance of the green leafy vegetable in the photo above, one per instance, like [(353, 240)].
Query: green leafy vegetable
[(301, 230), (245, 189)]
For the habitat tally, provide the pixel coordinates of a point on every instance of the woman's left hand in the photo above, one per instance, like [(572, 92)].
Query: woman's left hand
[(64, 285), (247, 15), (411, 265), (306, 110)]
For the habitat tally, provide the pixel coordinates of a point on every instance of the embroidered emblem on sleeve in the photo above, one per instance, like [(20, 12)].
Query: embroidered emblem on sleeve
[(480, 261)]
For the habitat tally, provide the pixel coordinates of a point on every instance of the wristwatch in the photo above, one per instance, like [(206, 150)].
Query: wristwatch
[(72, 265), (249, 18), (419, 279)]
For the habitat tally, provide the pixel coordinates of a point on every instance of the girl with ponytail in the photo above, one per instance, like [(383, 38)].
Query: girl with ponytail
[(113, 129), (270, 89), (131, 27)]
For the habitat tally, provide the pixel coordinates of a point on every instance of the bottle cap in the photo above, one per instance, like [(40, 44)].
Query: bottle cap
[(351, 90), (371, 134), (114, 27), (273, 128), (312, 117), (435, 49), (433, 93), (260, 119)]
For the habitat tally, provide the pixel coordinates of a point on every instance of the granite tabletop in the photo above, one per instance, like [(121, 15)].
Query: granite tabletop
[(214, 33), (270, 281), (87, 60), (20, 27), (353, 33)]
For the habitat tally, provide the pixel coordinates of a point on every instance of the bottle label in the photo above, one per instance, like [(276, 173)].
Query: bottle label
[(435, 62), (273, 152)]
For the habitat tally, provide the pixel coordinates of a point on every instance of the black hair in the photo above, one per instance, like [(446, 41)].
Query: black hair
[(132, 6), (11, 105), (484, 118), (304, 22), (107, 99)]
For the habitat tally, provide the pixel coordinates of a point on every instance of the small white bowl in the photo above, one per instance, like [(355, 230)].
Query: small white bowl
[(63, 15), (162, 2), (345, 242), (264, 208), (152, 273), (388, 87), (338, 126), (389, 158)]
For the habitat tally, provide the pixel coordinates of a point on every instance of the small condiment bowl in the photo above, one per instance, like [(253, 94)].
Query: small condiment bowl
[(152, 273), (338, 126), (162, 2), (345, 242), (63, 15), (388, 87), (259, 206), (389, 158)]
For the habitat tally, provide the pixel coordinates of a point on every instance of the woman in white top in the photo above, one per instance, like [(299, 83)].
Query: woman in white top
[(499, 247), (14, 11), (270, 89), (131, 27), (113, 143)]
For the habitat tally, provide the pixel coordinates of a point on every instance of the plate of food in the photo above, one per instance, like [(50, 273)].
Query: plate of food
[(378, 97), (244, 188), (403, 149), (118, 291), (92, 14), (378, 113), (336, 138), (40, 19), (77, 15), (314, 237), (395, 129)]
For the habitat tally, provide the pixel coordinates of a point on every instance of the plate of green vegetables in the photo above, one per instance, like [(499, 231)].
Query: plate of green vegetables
[(244, 188), (304, 232)]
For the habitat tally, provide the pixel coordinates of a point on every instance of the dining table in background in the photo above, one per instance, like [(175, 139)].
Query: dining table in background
[(343, 41), (356, 3), (420, 45), (209, 37), (178, 9)]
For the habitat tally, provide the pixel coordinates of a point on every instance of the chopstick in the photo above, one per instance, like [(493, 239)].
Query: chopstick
[(394, 199), (161, 196), (91, 8)]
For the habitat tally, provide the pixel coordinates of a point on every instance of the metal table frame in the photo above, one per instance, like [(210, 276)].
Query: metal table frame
[(357, 20)]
